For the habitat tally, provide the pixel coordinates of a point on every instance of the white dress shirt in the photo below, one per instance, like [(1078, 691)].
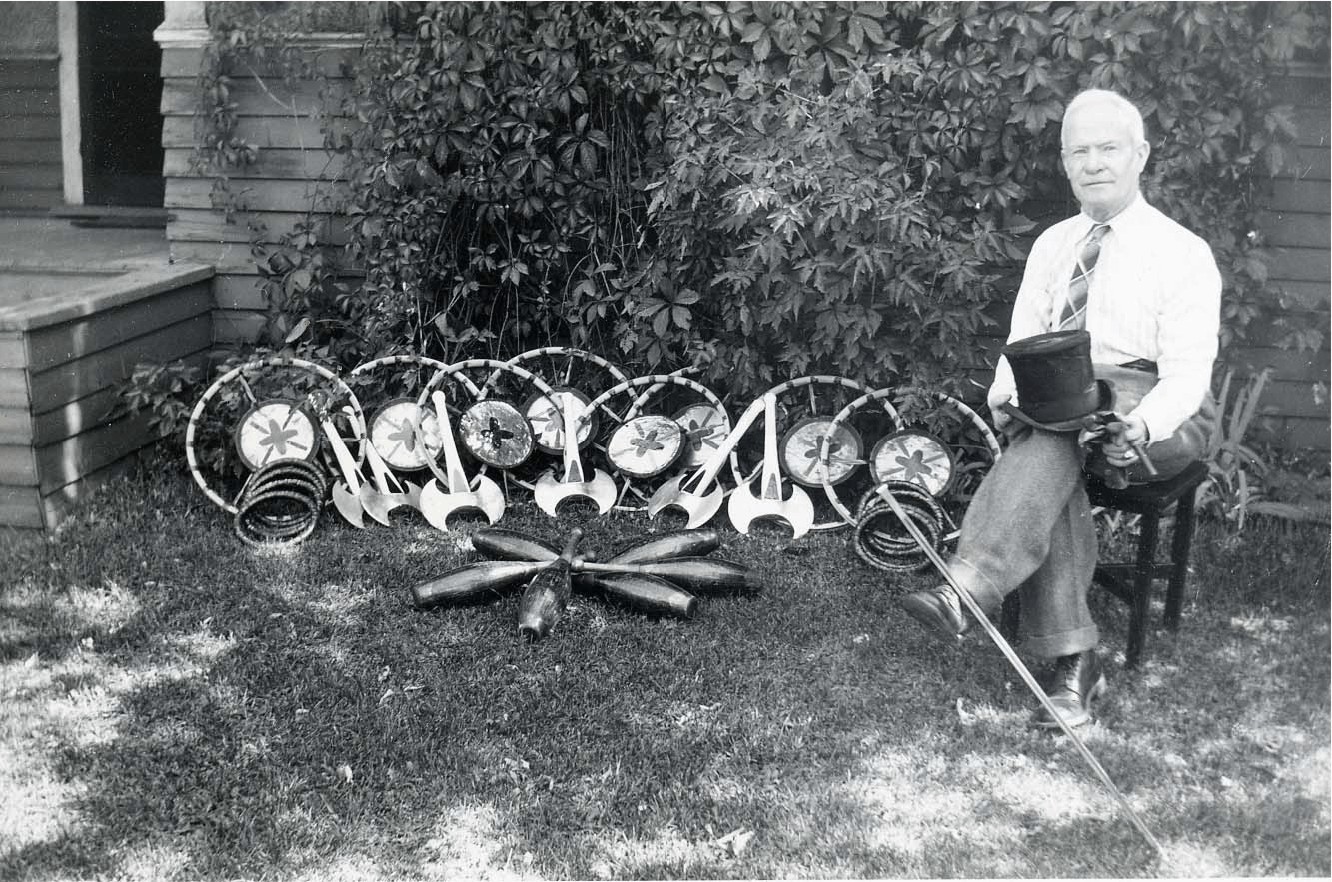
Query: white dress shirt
[(1155, 294)]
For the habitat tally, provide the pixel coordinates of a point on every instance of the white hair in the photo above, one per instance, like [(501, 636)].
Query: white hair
[(1125, 109)]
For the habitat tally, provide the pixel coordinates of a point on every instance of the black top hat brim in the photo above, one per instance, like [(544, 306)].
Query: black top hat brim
[(1104, 400)]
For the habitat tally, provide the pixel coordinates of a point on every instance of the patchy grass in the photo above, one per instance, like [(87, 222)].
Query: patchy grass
[(178, 706)]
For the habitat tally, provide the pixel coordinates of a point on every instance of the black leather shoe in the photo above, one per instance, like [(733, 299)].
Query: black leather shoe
[(939, 610), (1078, 681)]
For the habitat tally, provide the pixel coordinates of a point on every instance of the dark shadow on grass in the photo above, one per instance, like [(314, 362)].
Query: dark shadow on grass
[(293, 715)]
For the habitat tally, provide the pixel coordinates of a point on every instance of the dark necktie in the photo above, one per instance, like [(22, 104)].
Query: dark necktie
[(1074, 315)]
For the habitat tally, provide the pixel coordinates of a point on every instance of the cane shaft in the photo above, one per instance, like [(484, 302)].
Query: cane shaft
[(1141, 450), (1016, 662)]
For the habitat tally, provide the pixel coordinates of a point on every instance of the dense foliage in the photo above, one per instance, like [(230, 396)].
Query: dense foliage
[(775, 189)]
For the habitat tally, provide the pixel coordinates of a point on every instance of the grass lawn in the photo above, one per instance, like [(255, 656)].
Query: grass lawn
[(179, 706)]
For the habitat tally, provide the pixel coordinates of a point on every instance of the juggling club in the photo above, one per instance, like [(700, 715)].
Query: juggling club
[(678, 543), (694, 574), (501, 544), (475, 579), (650, 594), (547, 595)]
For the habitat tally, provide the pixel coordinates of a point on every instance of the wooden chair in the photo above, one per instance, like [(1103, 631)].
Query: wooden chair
[(1132, 581)]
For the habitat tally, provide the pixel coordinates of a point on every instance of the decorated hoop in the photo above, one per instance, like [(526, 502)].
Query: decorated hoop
[(807, 443), (277, 361), (554, 353), (506, 442), (885, 543), (392, 426), (881, 397), (696, 441), (280, 505), (545, 412)]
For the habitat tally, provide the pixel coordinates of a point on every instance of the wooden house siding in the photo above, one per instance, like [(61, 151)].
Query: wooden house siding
[(294, 180), (1294, 224), (62, 362), (30, 159)]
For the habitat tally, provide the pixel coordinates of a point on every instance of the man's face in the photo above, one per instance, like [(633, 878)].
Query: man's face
[(1101, 160)]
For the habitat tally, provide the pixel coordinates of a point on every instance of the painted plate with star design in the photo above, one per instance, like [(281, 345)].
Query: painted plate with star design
[(645, 446), (393, 433), (704, 429), (916, 456), (274, 430), (547, 419), (802, 444)]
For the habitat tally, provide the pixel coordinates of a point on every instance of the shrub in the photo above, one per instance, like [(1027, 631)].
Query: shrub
[(772, 189)]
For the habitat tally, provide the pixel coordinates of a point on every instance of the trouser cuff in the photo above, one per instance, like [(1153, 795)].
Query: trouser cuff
[(986, 594), (1061, 643)]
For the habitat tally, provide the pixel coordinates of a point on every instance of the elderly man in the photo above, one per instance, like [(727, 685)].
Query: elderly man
[(1147, 292)]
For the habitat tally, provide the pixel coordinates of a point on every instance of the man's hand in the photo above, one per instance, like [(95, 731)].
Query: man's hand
[(1002, 418), (1118, 447)]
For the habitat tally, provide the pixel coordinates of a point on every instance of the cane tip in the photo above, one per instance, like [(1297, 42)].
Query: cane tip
[(1188, 859)]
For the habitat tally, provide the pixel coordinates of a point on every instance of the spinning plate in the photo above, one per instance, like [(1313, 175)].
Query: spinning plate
[(496, 433), (545, 414), (393, 434), (646, 446), (275, 430), (801, 446), (915, 456), (704, 428)]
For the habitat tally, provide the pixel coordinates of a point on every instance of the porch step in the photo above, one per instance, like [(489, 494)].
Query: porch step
[(112, 216)]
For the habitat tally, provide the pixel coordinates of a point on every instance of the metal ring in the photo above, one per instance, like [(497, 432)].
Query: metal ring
[(655, 383), (196, 415), (882, 395), (825, 455), (570, 352), (886, 550), (244, 519)]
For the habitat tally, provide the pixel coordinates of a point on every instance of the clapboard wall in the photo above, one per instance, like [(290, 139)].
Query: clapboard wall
[(1294, 224), (30, 161), (62, 361), (295, 177)]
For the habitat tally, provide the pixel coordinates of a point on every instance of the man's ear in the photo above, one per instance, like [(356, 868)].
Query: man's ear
[(1144, 150)]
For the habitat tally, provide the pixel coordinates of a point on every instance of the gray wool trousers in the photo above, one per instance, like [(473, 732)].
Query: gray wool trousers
[(1029, 529)]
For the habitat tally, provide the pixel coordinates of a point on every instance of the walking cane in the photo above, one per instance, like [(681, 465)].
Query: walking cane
[(1016, 662)]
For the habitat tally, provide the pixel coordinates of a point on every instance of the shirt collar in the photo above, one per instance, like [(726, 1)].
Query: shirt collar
[(1119, 222)]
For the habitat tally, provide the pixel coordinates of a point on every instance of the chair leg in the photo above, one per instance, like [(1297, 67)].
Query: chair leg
[(1142, 588), (1180, 543)]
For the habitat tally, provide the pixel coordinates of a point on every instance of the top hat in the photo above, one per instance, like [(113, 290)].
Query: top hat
[(1056, 387)]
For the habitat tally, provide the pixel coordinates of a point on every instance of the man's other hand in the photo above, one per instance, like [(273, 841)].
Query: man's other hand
[(1118, 446), (1002, 419)]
